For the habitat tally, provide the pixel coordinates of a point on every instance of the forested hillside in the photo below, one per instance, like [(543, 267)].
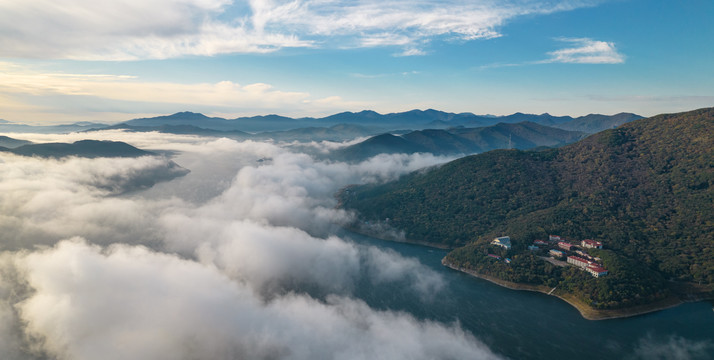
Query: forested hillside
[(646, 189)]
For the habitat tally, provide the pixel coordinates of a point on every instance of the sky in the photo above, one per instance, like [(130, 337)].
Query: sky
[(82, 60)]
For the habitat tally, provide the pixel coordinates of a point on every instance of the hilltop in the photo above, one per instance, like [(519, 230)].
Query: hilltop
[(82, 148), (8, 142), (645, 189), (525, 135)]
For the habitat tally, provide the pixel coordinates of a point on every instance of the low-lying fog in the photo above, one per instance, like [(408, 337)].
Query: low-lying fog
[(238, 259)]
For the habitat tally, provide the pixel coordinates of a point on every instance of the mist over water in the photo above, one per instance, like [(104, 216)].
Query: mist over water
[(237, 259)]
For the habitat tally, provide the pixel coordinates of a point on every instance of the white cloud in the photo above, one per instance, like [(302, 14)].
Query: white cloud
[(276, 235), (412, 52), (385, 39), (156, 29), (285, 203), (125, 30), (586, 51), (45, 199), (157, 276), (127, 302)]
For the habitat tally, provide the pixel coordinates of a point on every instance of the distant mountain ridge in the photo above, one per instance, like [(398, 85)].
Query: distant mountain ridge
[(10, 127), (525, 135), (409, 120), (249, 124), (8, 142), (413, 119)]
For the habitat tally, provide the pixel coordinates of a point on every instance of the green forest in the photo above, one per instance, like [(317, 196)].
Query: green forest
[(645, 189)]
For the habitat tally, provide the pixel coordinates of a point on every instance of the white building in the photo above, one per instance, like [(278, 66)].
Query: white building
[(503, 241), (591, 244)]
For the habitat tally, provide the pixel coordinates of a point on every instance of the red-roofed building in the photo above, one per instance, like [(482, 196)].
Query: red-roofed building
[(590, 266), (565, 245), (554, 238), (495, 256), (591, 244), (540, 242), (596, 270)]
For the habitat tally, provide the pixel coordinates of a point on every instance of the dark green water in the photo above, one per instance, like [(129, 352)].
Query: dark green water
[(529, 325)]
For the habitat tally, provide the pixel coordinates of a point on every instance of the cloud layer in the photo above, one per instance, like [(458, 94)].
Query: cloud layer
[(253, 270), (128, 302)]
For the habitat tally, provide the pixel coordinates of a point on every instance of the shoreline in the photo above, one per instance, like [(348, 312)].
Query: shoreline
[(585, 310), (682, 292)]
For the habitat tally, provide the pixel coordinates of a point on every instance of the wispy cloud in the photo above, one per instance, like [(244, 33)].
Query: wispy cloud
[(586, 51), (582, 51), (498, 65), (141, 29), (385, 39), (382, 75), (673, 347), (412, 52)]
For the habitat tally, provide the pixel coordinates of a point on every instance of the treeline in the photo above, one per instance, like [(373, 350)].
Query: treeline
[(627, 284)]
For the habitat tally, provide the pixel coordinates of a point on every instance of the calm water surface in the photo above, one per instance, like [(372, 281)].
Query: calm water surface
[(529, 325)]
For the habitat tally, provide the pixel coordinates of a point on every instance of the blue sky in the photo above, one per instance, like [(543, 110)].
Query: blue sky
[(79, 60)]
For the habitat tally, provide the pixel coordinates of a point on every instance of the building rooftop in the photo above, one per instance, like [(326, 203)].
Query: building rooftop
[(504, 241)]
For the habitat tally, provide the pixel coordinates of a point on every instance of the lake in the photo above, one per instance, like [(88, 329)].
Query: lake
[(530, 325)]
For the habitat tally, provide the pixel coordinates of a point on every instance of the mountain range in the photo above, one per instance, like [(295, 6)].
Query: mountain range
[(413, 119), (364, 123), (452, 141)]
